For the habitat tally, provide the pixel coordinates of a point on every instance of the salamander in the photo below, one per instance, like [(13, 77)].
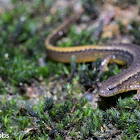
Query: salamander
[(122, 54)]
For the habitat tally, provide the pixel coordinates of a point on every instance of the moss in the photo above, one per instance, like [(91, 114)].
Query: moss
[(23, 62), (134, 30)]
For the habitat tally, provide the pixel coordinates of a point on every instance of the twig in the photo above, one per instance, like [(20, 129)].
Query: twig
[(86, 93)]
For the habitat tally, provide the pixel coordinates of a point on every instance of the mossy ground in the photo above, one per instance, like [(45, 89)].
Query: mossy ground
[(36, 97)]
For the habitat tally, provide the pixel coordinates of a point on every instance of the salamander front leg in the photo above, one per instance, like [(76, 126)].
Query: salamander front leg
[(137, 96), (105, 62)]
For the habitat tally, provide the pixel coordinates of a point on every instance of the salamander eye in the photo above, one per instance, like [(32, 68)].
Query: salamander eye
[(111, 87)]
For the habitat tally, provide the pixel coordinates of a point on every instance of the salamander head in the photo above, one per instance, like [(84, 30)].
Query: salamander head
[(107, 88)]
